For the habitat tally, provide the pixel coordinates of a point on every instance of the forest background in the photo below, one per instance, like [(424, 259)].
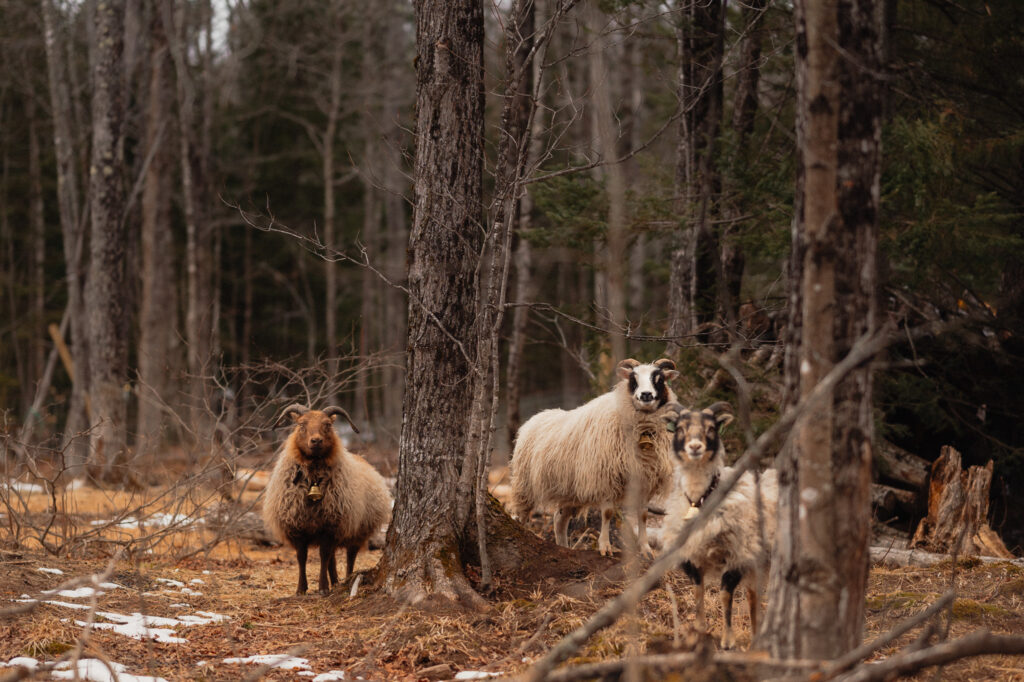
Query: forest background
[(267, 197)]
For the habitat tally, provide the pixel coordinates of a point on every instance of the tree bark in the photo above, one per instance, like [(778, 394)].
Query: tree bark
[(330, 209), (156, 310), (819, 575), (693, 281), (444, 245), (957, 520), (105, 287), (72, 231)]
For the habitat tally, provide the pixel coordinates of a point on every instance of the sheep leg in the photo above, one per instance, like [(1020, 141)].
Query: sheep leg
[(350, 559), (301, 551), (332, 568), (730, 579), (326, 559), (643, 545), (562, 517), (698, 580), (754, 599), (604, 544)]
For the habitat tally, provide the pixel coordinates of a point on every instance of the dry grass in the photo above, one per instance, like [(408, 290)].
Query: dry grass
[(372, 636)]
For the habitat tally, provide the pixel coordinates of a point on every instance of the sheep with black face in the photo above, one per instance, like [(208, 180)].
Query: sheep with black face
[(606, 453), (734, 545), (320, 494)]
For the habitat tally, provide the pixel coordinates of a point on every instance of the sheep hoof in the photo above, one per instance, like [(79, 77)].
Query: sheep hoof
[(324, 593)]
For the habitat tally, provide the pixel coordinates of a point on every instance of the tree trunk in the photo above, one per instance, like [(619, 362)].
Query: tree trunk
[(426, 558), (156, 310), (105, 287), (613, 256), (693, 281), (819, 576), (330, 216), (72, 231), (37, 269), (523, 257), (957, 521)]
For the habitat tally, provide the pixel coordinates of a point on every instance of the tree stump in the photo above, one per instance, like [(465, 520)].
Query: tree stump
[(957, 520)]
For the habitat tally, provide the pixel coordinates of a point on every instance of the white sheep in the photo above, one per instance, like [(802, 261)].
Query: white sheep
[(321, 494), (735, 543), (611, 450)]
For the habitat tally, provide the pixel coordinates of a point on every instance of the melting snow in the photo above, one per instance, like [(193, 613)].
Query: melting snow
[(83, 592), (168, 581), (54, 571), (96, 670), (283, 661), (474, 675), (330, 676), (24, 661), (25, 487)]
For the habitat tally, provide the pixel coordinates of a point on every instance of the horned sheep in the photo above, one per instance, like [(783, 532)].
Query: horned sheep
[(734, 545), (604, 453), (320, 494)]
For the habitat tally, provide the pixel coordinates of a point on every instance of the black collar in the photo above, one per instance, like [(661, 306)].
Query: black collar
[(707, 493)]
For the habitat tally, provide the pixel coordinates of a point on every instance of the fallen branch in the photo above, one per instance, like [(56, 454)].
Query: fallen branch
[(918, 557), (980, 643), (666, 662)]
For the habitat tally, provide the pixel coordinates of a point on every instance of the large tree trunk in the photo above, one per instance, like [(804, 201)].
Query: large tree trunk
[(426, 558), (819, 576), (105, 288), (693, 276), (156, 310), (330, 210), (72, 230)]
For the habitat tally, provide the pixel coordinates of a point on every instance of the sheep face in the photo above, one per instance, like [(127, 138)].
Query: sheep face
[(314, 434), (697, 436), (648, 384)]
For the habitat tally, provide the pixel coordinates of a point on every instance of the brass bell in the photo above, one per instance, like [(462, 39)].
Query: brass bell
[(646, 441), (314, 493)]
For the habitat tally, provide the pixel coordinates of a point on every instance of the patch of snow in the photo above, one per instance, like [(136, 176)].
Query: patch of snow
[(54, 571), (168, 581), (207, 572), (96, 670), (474, 675), (139, 626), (180, 605), (22, 487), (83, 592), (330, 676), (162, 520), (23, 661), (283, 661), (126, 522), (75, 484), (190, 592), (25, 599), (196, 581)]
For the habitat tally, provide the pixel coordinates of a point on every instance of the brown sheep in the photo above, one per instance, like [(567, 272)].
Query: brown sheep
[(321, 494)]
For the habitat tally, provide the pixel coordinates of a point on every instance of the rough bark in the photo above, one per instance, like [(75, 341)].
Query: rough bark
[(330, 206), (957, 520), (693, 280), (425, 558), (895, 463), (105, 287), (819, 575), (158, 303), (72, 230), (37, 267)]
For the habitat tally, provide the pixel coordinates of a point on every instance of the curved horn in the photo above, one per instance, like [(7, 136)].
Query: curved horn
[(333, 410), (295, 409), (625, 368), (722, 412), (664, 363)]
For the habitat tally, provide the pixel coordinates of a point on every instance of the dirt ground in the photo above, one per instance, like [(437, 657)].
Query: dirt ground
[(368, 636)]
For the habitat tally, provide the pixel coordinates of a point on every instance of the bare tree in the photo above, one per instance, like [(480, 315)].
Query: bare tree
[(105, 288), (422, 558), (700, 32), (158, 302), (819, 577), (71, 223)]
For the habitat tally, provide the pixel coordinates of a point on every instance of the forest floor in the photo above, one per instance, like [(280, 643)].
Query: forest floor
[(231, 606)]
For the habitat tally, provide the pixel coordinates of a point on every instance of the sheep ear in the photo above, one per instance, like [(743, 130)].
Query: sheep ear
[(625, 368), (722, 412), (667, 367), (333, 413), (294, 411)]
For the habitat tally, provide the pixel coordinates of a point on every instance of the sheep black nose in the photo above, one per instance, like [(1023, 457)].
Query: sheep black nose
[(316, 441), (646, 397)]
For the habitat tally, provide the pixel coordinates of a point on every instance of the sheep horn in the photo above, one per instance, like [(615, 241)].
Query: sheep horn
[(292, 409), (664, 363), (334, 410), (721, 411)]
